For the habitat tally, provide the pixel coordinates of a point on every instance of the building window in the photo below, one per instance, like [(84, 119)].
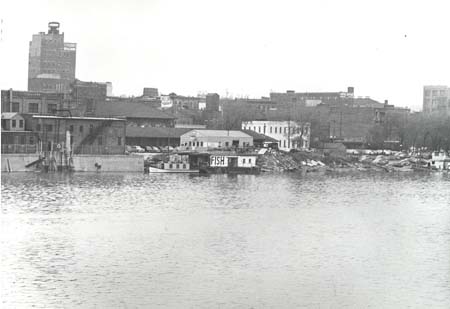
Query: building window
[(13, 123), (15, 107), (21, 123), (51, 109), (91, 128), (184, 166), (81, 129), (100, 140), (285, 130), (48, 127), (243, 161), (31, 140), (276, 129), (38, 127), (22, 139), (226, 144), (284, 142), (201, 144), (90, 106), (270, 130), (33, 108), (259, 129), (249, 160), (71, 128), (119, 141), (254, 129)]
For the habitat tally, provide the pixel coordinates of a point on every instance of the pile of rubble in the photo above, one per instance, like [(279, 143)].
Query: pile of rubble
[(305, 161), (275, 161), (399, 162)]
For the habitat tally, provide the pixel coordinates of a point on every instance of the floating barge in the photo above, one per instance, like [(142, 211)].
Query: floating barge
[(204, 163)]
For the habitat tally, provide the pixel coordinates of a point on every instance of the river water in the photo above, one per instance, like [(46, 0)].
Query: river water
[(351, 240)]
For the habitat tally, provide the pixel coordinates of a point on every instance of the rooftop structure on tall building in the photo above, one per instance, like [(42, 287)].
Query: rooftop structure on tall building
[(51, 65), (436, 100)]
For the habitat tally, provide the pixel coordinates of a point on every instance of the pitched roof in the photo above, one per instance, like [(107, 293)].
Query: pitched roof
[(8, 115), (130, 110), (219, 133), (258, 136), (367, 102), (156, 132)]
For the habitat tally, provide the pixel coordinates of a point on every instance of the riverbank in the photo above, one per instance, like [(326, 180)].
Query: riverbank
[(310, 161)]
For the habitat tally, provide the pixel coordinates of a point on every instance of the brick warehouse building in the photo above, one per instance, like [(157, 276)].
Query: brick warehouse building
[(86, 135)]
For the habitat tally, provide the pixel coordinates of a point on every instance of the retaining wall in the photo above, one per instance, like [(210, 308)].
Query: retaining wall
[(82, 163), (108, 163), (17, 162)]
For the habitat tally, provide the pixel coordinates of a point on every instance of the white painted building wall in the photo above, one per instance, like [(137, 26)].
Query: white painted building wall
[(287, 133), (247, 161)]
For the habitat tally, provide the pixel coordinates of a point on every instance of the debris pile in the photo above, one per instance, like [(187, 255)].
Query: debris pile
[(274, 161)]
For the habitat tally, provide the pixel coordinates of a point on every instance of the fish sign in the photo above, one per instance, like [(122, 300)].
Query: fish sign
[(218, 161)]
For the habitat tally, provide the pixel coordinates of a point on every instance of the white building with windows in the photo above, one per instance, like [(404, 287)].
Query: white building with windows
[(207, 139), (289, 134)]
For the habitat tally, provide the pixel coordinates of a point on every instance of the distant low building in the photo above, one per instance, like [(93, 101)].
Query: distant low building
[(154, 136), (137, 114), (311, 99), (289, 134)]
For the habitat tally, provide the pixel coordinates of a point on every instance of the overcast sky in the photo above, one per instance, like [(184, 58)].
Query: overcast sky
[(385, 49)]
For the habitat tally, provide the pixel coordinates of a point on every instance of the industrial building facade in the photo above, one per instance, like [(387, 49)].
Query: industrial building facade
[(51, 64), (289, 134)]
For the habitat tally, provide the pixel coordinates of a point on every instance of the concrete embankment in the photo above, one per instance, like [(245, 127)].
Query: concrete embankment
[(108, 163), (16, 162), (81, 163)]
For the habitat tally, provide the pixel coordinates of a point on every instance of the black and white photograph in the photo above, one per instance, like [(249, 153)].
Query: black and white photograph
[(225, 154)]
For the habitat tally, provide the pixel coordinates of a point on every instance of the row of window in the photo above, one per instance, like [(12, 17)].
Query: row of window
[(34, 108), (293, 130), (177, 166), (21, 139), (198, 144), (14, 123)]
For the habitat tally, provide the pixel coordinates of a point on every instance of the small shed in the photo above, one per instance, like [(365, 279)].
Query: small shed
[(12, 122)]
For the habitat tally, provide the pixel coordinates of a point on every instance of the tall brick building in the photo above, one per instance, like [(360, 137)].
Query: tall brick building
[(51, 64)]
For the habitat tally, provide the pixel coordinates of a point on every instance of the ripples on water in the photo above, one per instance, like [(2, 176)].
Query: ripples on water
[(267, 241)]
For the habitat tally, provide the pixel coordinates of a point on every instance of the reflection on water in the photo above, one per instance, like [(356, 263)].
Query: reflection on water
[(267, 241)]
